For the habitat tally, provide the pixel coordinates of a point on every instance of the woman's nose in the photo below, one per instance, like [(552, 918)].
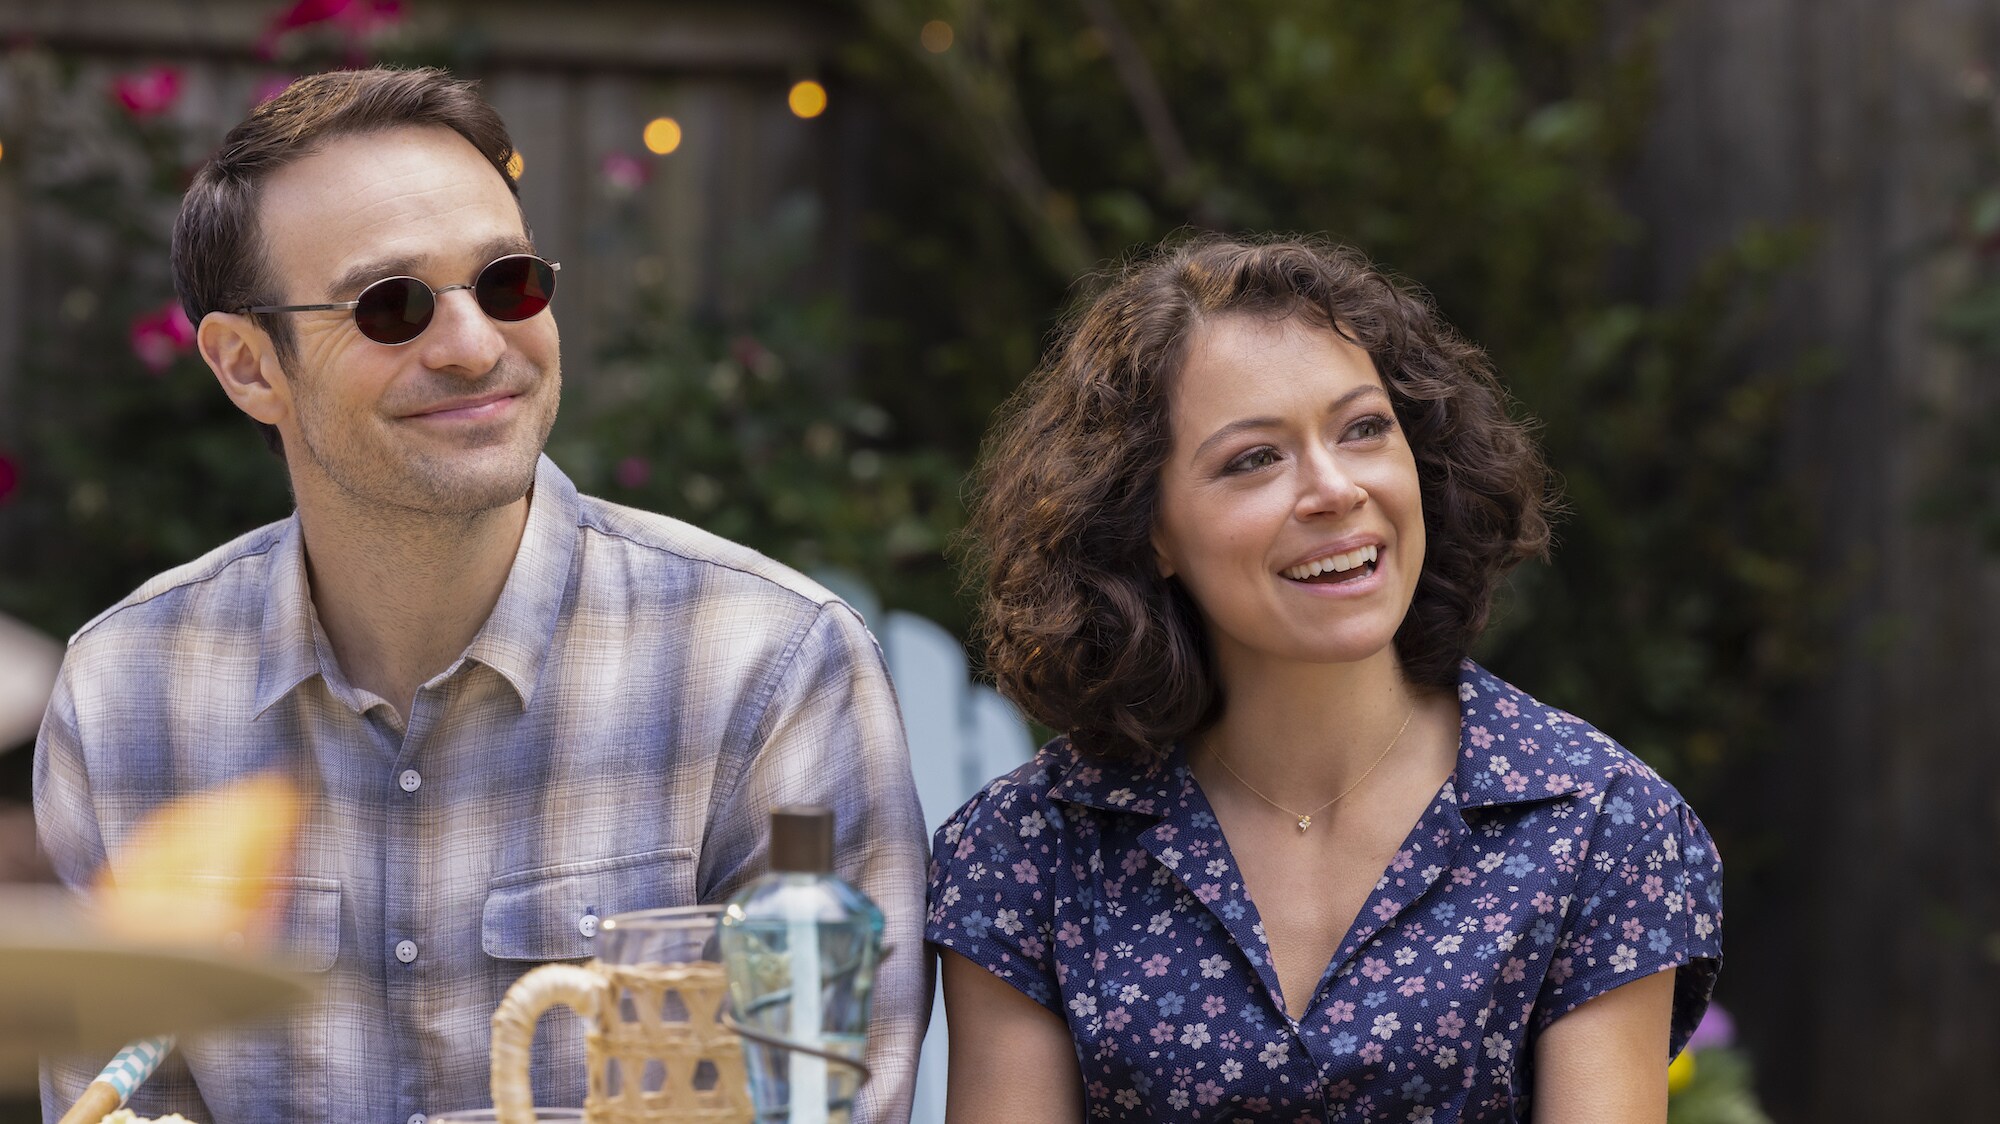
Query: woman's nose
[(1326, 486)]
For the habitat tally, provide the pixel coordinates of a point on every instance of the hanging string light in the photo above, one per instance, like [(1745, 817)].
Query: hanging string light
[(662, 135), (807, 99)]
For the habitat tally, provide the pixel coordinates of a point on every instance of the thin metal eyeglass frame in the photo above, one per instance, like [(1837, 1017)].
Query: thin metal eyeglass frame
[(349, 306)]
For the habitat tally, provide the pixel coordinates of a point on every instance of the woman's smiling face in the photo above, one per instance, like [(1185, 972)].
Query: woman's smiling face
[(1289, 507)]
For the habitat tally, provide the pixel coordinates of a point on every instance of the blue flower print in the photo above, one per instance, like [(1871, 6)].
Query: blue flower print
[(1551, 867)]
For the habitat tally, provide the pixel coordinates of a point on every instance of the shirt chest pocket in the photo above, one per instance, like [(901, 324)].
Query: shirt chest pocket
[(552, 913)]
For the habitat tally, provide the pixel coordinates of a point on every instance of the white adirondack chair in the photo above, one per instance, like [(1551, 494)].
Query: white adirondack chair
[(962, 734)]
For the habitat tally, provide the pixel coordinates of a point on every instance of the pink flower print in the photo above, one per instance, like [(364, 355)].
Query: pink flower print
[(1633, 928), (1485, 902), (161, 336), (1374, 968), (148, 93), (1561, 969), (1371, 1053), (1480, 736), (1543, 902), (1653, 887), (1339, 1011), (1469, 981), (1461, 876), (1032, 947), (1403, 860), (1515, 782), (1558, 782), (1497, 922), (1208, 892), (1450, 1023), (1133, 861), (1024, 871), (1207, 1093), (1214, 1006), (1156, 965), (1515, 970), (1163, 1033), (1127, 1098), (1412, 986), (1506, 706), (1384, 909)]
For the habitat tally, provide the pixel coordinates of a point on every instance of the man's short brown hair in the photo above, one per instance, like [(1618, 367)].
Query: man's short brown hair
[(219, 259), (1079, 628)]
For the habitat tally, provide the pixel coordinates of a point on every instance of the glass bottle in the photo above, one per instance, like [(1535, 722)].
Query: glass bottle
[(800, 946)]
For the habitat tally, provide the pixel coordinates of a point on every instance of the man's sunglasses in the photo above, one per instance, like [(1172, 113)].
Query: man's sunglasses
[(396, 310)]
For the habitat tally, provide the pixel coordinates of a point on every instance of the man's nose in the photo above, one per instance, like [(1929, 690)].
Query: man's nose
[(461, 336)]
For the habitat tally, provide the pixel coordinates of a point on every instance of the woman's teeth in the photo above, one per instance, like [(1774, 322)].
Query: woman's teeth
[(1339, 563)]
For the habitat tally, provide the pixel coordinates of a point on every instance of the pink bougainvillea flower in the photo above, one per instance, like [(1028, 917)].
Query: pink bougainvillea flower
[(633, 472), (161, 336), (148, 93), (10, 478), (1717, 1029), (624, 172), (748, 352), (354, 19)]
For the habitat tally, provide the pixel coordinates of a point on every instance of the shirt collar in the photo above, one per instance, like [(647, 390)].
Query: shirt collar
[(517, 636), (1502, 758), (514, 640)]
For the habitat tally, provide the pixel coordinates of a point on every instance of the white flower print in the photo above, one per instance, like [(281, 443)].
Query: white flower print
[(1275, 1054), (1194, 1035), (1497, 1046), (1214, 967), (1083, 1006), (1624, 959), (1387, 1025), (1008, 921)]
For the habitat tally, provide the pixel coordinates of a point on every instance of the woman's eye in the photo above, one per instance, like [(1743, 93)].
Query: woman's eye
[(1254, 458), (1369, 428)]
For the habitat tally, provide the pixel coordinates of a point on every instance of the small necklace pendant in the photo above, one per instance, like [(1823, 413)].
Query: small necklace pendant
[(1304, 823)]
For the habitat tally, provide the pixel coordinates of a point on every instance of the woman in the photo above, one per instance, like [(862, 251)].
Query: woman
[(1295, 857)]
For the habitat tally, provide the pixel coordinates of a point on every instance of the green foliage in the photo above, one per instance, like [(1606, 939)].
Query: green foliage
[(124, 471), (1476, 148), (1720, 1091)]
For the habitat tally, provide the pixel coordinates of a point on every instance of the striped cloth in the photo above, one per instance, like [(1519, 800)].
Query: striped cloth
[(613, 739)]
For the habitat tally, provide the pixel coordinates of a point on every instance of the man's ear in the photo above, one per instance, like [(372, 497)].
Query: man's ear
[(245, 363)]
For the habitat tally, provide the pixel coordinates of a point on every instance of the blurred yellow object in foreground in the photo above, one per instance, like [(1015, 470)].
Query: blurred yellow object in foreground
[(203, 869), (1680, 1072)]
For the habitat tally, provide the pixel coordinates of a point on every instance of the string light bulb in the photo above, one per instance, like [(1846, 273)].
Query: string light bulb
[(807, 99), (662, 135), (936, 37)]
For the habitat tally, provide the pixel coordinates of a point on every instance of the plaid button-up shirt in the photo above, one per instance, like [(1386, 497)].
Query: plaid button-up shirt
[(613, 739)]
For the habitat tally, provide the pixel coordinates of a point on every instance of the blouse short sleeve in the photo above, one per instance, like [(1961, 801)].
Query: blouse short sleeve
[(1649, 898), (995, 867)]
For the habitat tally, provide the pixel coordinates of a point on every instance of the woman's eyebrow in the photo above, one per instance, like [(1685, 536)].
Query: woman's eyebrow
[(1242, 424)]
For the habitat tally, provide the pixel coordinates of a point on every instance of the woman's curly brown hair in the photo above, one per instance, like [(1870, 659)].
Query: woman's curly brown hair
[(1079, 628)]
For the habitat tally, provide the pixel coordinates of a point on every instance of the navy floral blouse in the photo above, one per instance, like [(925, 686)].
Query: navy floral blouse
[(1552, 867)]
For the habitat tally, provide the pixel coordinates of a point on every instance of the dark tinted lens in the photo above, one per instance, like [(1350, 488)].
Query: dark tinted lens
[(394, 310), (515, 287)]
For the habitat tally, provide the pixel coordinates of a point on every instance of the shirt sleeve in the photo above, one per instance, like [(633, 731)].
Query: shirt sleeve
[(1649, 899), (995, 865), (831, 734), (66, 828)]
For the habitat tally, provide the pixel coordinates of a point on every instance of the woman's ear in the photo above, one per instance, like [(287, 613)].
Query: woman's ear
[(245, 363), (1164, 563)]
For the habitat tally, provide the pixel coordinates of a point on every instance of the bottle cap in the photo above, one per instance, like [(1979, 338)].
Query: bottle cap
[(802, 839)]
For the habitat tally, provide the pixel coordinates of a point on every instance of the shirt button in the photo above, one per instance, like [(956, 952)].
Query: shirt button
[(415, 1117), (411, 780), (406, 951), (588, 926)]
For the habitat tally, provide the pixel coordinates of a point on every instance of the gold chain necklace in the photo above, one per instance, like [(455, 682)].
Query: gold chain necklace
[(1306, 818)]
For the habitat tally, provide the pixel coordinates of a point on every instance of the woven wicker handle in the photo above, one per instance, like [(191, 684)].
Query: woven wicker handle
[(582, 990)]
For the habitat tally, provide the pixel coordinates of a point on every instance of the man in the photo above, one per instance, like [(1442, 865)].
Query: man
[(517, 709)]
